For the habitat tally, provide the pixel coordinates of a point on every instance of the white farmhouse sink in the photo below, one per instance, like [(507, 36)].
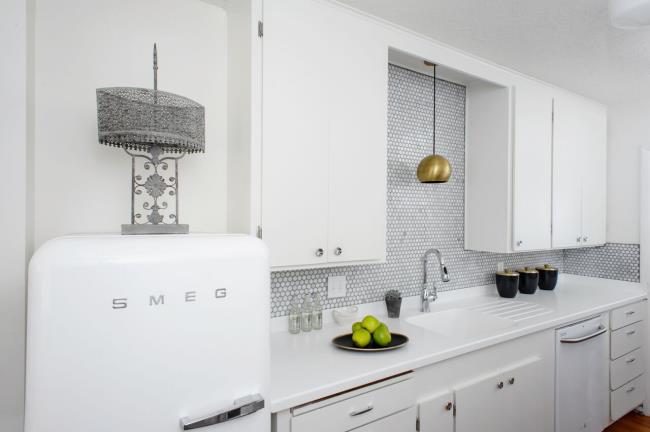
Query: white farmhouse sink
[(460, 323)]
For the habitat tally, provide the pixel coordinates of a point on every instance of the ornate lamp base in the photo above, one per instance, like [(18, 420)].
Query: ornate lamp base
[(129, 229)]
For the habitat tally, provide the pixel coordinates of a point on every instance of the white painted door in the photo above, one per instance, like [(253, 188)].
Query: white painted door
[(593, 120), (403, 421), (480, 405), (526, 405), (507, 401), (436, 413), (533, 109), (358, 74), (296, 131), (567, 173)]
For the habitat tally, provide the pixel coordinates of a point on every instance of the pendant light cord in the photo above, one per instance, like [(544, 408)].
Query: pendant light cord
[(434, 110)]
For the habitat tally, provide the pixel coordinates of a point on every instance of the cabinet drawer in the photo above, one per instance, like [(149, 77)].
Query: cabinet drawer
[(628, 397), (357, 410), (627, 315), (626, 368), (401, 421), (626, 339)]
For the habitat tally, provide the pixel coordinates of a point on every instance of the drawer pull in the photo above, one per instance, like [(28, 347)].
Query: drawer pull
[(631, 332), (511, 381), (632, 360), (630, 390), (449, 406), (500, 385), (629, 313), (362, 411)]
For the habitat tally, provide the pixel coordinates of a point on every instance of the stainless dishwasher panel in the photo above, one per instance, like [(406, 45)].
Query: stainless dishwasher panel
[(581, 376)]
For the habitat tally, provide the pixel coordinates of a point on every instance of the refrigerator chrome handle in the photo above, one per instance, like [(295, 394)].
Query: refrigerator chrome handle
[(601, 330), (242, 407)]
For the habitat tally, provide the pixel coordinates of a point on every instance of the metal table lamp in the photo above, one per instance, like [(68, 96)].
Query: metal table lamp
[(147, 124)]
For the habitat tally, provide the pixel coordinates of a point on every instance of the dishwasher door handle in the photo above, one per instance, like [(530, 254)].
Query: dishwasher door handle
[(601, 330)]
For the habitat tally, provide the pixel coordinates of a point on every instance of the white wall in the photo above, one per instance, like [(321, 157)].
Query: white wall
[(82, 186), (629, 130), (13, 142)]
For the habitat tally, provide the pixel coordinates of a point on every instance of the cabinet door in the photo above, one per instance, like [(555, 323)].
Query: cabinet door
[(526, 403), (436, 413), (532, 169), (358, 72), (403, 421), (567, 173), (508, 401), (481, 404), (295, 132), (594, 168)]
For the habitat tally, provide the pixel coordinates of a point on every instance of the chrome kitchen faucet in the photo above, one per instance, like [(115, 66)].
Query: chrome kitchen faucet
[(427, 295)]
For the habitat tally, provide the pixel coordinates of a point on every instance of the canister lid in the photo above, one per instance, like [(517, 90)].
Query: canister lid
[(528, 270), (547, 267), (508, 272)]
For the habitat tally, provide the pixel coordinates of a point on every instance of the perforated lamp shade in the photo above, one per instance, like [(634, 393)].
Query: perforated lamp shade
[(139, 118)]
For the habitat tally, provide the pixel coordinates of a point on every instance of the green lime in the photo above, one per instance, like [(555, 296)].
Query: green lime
[(356, 326), (361, 338), (382, 336), (370, 323)]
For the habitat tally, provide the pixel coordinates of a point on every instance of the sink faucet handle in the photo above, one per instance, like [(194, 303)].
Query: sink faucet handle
[(444, 273)]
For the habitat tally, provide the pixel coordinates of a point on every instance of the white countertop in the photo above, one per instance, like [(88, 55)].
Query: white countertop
[(306, 366)]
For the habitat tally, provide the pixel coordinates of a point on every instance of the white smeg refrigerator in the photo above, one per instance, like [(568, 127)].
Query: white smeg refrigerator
[(148, 333)]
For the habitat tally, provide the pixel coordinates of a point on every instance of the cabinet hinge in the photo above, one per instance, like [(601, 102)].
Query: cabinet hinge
[(417, 424), (260, 28), (454, 411), (259, 232)]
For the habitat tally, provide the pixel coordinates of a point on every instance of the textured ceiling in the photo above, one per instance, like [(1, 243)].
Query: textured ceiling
[(565, 42)]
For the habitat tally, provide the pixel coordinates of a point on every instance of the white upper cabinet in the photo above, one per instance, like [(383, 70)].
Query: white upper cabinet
[(532, 159), (536, 169), (508, 167), (324, 135), (579, 172)]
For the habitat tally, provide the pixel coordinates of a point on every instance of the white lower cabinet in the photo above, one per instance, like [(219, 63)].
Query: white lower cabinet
[(403, 421), (627, 365), (376, 407), (506, 401)]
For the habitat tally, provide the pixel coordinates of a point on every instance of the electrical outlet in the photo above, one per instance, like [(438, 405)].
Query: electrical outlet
[(337, 286)]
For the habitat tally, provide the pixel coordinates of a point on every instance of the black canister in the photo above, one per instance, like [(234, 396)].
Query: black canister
[(547, 277), (507, 283), (528, 278)]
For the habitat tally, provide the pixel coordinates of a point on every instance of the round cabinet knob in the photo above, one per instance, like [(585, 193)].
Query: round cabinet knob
[(519, 243), (500, 385), (584, 239), (511, 381), (319, 252), (578, 239), (449, 406), (338, 251)]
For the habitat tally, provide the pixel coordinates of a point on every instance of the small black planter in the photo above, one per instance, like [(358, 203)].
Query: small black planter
[(507, 283), (393, 300)]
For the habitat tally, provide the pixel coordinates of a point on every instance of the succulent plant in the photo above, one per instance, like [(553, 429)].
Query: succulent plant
[(393, 295)]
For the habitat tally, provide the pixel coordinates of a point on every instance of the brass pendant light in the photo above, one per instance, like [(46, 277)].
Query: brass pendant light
[(434, 168)]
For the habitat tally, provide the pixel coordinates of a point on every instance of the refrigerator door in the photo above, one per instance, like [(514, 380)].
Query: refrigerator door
[(148, 333)]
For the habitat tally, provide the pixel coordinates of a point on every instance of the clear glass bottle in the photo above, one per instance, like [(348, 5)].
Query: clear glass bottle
[(295, 315), (316, 312), (307, 306)]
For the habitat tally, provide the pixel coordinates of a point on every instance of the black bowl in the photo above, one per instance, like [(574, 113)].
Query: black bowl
[(345, 342)]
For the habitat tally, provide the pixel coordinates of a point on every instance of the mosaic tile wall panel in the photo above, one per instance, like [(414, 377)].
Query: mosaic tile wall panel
[(613, 261), (419, 216)]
